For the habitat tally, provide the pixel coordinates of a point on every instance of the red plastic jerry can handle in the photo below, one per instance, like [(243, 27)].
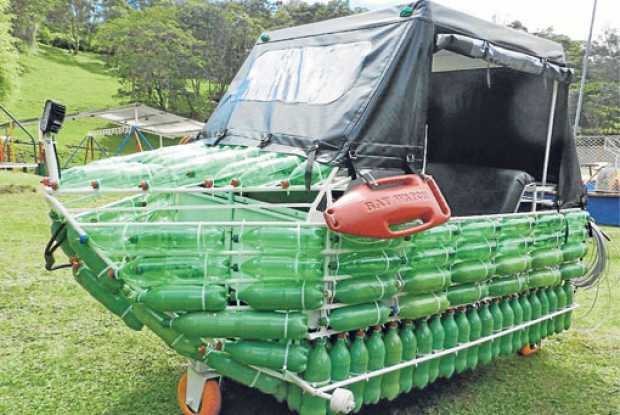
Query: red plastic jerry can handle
[(370, 211)]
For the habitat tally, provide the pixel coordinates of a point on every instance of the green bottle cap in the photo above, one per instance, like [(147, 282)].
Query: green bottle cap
[(406, 11), (264, 37)]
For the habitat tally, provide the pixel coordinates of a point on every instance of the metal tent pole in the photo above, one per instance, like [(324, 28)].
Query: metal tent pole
[(584, 71), (554, 99)]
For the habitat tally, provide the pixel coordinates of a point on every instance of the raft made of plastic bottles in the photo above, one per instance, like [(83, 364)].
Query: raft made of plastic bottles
[(229, 272)]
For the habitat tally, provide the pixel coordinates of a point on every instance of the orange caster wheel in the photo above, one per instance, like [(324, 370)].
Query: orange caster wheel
[(529, 350), (211, 398)]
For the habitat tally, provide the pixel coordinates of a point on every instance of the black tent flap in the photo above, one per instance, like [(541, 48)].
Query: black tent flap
[(363, 87), (482, 49)]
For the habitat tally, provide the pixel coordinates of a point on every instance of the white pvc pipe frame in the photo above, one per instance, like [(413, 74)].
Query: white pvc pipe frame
[(322, 392)]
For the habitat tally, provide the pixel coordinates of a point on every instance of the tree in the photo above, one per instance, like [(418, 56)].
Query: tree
[(75, 18), (224, 35), (601, 104), (29, 16), (517, 25), (8, 54), (112, 9), (151, 53), (606, 56)]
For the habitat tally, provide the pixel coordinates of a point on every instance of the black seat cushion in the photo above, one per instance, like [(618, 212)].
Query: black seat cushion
[(477, 190)]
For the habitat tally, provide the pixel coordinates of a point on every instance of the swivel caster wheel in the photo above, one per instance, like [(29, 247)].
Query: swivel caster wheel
[(211, 401), (530, 350)]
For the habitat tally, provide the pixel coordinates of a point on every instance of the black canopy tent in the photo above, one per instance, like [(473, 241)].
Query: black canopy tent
[(376, 86)]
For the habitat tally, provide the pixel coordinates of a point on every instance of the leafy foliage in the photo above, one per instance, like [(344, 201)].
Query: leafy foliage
[(181, 57), (601, 104), (145, 48), (8, 55)]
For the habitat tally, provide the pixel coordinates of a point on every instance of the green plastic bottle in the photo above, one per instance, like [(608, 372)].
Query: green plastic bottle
[(467, 293), (172, 239), (172, 298), (464, 337), (282, 295), (508, 318), (573, 251), (535, 329), (527, 316), (474, 250), (359, 366), (478, 229), (357, 316), (415, 307), (340, 361), (570, 294), (256, 325), (475, 332), (157, 323), (282, 238), (360, 263), (226, 174), (517, 336), (283, 267), (571, 271), (122, 175), (410, 348), (424, 339), (246, 375), (116, 303), (545, 257), (544, 278), (553, 306), (425, 280), (485, 352), (471, 271), (272, 355), (178, 270), (508, 265), (366, 289), (437, 236), (298, 175), (498, 324), (430, 257), (549, 223), (439, 336), (512, 247), (544, 310), (195, 169), (376, 360), (269, 171), (559, 320), (390, 385), (515, 227), (318, 373), (451, 330)]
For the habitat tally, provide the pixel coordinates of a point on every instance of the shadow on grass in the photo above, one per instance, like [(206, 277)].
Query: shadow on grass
[(63, 57), (503, 379)]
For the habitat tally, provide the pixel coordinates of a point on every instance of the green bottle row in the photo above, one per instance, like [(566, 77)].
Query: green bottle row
[(396, 343), (305, 245), (175, 265), (194, 163), (331, 361)]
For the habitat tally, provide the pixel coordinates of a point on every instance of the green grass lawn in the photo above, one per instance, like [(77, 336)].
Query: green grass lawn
[(62, 353), (82, 83)]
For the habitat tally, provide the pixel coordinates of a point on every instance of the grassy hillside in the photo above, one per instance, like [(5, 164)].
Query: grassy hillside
[(62, 353), (81, 82)]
